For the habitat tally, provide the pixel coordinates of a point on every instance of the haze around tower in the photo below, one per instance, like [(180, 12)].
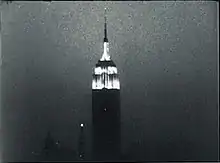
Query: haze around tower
[(166, 55)]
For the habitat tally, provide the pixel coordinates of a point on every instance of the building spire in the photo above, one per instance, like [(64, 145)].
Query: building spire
[(105, 56), (105, 29)]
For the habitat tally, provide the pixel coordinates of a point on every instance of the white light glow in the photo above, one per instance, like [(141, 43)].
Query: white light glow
[(107, 83), (108, 70), (98, 70), (105, 77), (81, 125), (112, 70), (94, 84), (106, 56)]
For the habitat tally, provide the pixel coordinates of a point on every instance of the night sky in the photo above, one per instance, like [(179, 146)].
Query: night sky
[(166, 55)]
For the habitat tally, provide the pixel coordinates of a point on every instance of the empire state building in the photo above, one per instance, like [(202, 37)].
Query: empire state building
[(106, 107)]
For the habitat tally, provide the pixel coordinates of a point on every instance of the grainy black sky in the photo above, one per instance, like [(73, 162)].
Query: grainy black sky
[(166, 54)]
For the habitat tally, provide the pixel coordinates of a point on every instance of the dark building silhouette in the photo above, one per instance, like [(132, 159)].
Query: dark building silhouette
[(49, 144), (54, 151), (81, 143), (106, 107)]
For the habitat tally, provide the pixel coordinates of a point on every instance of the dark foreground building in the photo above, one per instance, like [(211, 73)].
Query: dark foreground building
[(56, 151), (106, 107)]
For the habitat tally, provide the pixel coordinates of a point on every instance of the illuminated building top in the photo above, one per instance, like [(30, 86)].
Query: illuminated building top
[(105, 74)]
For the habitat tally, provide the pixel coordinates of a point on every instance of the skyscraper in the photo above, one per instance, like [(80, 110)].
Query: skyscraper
[(106, 107)]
